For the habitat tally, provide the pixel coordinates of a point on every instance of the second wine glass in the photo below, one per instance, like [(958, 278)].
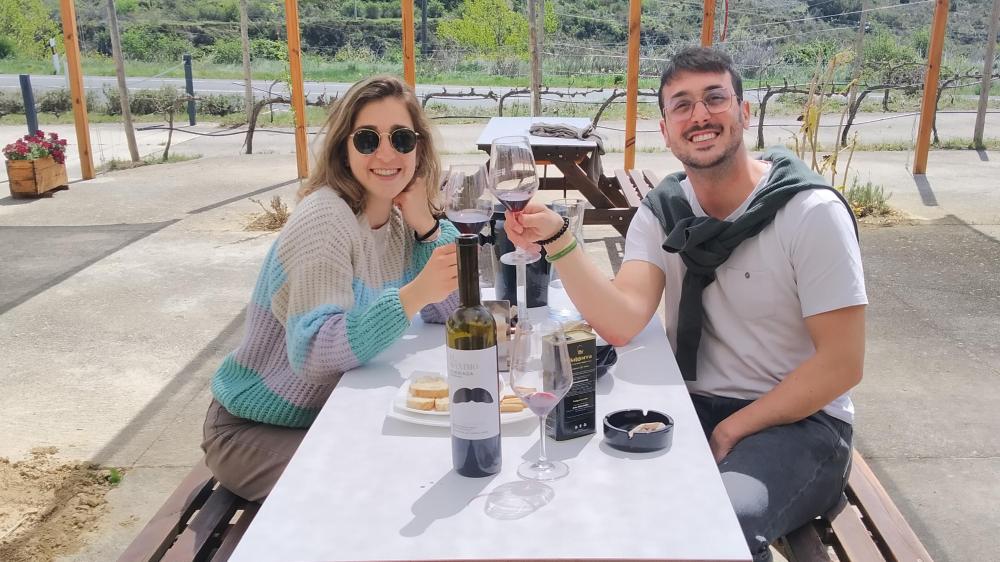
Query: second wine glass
[(514, 180), (541, 374)]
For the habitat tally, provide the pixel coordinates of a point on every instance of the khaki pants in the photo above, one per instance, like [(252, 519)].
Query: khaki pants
[(247, 457)]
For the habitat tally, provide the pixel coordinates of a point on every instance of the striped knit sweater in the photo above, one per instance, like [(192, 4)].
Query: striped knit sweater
[(326, 301)]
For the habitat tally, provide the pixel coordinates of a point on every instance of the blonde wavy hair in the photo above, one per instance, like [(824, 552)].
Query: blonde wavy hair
[(331, 169)]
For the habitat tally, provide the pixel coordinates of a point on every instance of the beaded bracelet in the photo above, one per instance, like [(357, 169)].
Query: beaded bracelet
[(437, 225), (556, 235), (562, 253)]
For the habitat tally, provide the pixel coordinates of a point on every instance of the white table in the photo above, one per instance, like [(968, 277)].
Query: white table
[(519, 126), (364, 486)]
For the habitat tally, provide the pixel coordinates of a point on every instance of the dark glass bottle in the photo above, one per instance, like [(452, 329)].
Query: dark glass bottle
[(473, 381)]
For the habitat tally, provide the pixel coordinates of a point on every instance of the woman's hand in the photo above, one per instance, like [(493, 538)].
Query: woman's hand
[(437, 280), (536, 222), (412, 201)]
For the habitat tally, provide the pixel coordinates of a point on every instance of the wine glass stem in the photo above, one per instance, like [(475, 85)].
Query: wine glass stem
[(542, 459), (522, 292)]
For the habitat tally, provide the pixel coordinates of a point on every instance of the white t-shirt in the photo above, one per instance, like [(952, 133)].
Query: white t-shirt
[(807, 261)]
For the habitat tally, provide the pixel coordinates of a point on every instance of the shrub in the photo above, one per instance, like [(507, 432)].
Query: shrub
[(125, 7), (868, 199), (268, 49), (227, 51), (145, 44), (55, 101), (143, 102), (10, 104), (6, 47), (220, 104)]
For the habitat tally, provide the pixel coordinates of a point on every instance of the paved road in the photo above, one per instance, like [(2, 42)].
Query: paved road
[(313, 90)]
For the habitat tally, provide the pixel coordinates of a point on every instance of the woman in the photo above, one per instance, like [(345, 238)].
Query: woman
[(360, 256)]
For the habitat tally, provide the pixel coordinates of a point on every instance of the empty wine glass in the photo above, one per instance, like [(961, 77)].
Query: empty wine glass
[(514, 181), (540, 375), (467, 199), (573, 210)]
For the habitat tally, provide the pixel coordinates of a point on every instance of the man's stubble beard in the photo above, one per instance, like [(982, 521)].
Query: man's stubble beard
[(736, 141)]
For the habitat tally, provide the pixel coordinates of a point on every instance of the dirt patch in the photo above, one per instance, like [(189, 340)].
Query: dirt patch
[(46, 506)]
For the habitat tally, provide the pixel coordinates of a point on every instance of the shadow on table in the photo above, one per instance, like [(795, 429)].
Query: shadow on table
[(448, 496), (518, 499)]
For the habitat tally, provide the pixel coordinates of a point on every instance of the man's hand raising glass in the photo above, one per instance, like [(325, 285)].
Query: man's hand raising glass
[(536, 222)]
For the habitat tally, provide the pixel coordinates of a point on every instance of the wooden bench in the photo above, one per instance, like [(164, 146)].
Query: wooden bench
[(626, 190), (864, 526), (200, 521)]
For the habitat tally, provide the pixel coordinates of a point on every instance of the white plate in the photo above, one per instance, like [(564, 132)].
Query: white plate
[(399, 411)]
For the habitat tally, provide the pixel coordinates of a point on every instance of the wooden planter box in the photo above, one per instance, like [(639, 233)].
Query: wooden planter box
[(31, 178)]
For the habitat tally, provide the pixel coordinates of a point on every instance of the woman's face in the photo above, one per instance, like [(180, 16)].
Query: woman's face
[(386, 171)]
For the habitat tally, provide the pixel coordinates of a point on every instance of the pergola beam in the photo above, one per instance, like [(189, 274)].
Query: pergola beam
[(929, 105), (297, 86), (632, 81), (707, 21), (67, 13), (409, 62)]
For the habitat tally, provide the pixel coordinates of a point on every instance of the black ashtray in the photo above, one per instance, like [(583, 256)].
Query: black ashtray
[(605, 357), (617, 426)]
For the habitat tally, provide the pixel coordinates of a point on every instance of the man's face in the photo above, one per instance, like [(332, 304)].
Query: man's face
[(698, 136)]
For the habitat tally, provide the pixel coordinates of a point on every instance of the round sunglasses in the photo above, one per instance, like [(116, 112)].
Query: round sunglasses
[(403, 140)]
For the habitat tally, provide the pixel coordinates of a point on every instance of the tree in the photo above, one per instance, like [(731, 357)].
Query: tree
[(491, 29), (29, 25)]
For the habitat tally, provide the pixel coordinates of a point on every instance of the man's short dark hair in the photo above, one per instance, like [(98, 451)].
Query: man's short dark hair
[(699, 60)]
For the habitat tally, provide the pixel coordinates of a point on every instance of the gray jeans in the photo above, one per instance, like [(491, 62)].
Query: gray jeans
[(247, 457), (782, 477)]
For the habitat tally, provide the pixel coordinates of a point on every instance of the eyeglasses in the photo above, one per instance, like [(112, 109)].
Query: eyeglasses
[(366, 141), (716, 101)]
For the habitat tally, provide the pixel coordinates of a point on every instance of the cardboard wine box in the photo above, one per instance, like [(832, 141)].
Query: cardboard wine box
[(575, 414)]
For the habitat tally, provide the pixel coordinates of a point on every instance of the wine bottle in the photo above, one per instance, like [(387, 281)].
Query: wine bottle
[(473, 379)]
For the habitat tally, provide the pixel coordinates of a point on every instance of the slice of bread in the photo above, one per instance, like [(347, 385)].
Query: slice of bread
[(441, 404), (419, 403), (429, 387), (511, 406)]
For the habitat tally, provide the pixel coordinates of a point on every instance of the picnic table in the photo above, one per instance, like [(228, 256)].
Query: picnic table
[(365, 485), (613, 203)]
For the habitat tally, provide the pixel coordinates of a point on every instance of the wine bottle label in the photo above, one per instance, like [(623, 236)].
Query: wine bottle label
[(473, 386)]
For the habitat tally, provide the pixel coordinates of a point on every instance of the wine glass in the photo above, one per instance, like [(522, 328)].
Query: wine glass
[(571, 209), (467, 201), (540, 375), (514, 182)]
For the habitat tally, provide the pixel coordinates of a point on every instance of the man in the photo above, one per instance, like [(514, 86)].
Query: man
[(760, 268)]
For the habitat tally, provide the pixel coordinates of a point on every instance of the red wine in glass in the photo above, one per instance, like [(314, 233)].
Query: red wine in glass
[(468, 221), (541, 402), (515, 201)]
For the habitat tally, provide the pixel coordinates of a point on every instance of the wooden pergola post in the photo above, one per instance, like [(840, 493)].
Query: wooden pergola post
[(632, 81), (68, 14), (298, 86), (707, 21), (409, 63), (928, 106)]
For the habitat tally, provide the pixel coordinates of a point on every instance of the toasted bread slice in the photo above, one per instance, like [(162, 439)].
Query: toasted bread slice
[(419, 403), (511, 407), (429, 387), (441, 404)]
